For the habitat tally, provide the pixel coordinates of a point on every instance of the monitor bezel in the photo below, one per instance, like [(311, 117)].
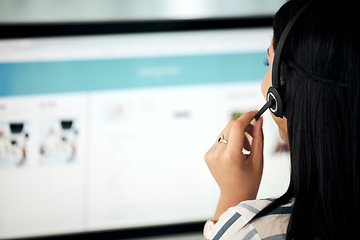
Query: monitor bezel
[(63, 29), (71, 29)]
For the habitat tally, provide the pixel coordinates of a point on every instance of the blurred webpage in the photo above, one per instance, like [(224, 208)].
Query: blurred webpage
[(110, 132)]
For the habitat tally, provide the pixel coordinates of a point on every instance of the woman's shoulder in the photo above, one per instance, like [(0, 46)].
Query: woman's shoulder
[(234, 223)]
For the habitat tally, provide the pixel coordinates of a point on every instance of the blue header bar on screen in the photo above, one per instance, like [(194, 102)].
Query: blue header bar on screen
[(27, 78)]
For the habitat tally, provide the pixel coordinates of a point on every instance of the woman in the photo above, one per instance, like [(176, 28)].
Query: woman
[(321, 124)]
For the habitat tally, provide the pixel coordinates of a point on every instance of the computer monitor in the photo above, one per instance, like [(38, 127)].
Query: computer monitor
[(104, 127)]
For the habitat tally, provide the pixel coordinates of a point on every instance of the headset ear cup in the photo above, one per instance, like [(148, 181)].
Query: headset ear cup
[(278, 108)]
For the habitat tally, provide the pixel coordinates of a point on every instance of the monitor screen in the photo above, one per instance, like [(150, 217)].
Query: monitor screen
[(110, 131)]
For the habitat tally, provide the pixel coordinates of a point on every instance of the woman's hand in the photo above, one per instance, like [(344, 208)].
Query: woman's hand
[(237, 174)]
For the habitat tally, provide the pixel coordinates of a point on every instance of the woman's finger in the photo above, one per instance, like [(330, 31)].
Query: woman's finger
[(257, 144), (237, 133), (249, 129), (248, 137), (247, 145), (226, 130)]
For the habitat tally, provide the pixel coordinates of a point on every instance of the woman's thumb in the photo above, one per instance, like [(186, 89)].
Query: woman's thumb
[(257, 145)]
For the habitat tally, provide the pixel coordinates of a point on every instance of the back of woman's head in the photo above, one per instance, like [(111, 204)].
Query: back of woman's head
[(321, 68)]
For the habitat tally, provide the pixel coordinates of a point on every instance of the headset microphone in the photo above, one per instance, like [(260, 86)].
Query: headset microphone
[(267, 105), (275, 95)]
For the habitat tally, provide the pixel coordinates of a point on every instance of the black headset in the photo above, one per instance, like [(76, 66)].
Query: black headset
[(275, 99)]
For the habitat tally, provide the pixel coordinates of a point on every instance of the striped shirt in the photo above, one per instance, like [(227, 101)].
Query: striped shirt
[(233, 224)]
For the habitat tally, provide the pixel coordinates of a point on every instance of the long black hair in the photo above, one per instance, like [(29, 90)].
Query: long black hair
[(321, 68)]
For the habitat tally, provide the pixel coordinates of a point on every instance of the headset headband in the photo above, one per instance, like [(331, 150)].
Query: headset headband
[(274, 98), (276, 81)]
